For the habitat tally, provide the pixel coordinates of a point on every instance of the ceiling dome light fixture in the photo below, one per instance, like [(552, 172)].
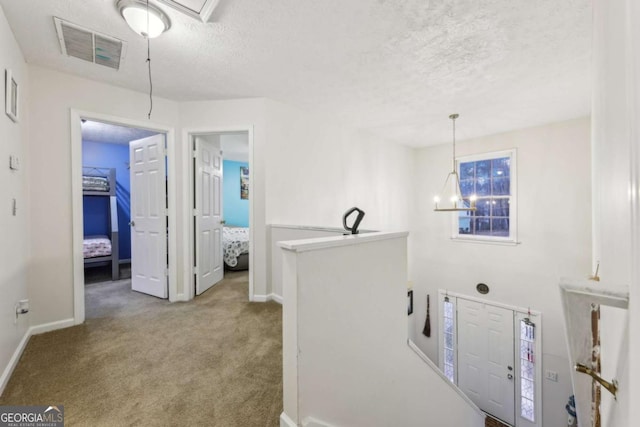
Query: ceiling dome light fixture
[(450, 198), (144, 18)]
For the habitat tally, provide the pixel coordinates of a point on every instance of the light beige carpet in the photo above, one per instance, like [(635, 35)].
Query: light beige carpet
[(138, 360)]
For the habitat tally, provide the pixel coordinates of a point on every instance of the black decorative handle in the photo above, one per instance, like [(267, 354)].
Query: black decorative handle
[(354, 228)]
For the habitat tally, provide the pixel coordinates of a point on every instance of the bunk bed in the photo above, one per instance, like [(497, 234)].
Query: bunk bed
[(101, 182)]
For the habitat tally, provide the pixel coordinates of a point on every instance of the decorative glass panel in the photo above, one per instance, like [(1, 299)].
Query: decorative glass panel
[(448, 356), (527, 409), (448, 309), (448, 325), (527, 369), (448, 372), (449, 340)]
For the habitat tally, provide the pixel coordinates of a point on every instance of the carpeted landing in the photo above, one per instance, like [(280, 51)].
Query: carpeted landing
[(138, 360)]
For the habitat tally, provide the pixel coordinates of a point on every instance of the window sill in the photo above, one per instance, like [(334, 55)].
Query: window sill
[(486, 241)]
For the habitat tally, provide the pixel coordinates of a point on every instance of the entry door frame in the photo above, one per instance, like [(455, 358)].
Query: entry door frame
[(519, 314), (188, 189), (76, 200)]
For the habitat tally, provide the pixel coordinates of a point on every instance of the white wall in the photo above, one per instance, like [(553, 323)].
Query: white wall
[(278, 233), (554, 230), (633, 38), (52, 95), (346, 357), (13, 184), (616, 174), (308, 171), (319, 168)]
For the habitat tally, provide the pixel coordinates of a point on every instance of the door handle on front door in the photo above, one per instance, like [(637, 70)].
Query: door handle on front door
[(132, 223), (223, 222), (510, 376)]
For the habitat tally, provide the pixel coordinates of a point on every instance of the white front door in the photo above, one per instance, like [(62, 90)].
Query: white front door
[(486, 369), (148, 216), (208, 214)]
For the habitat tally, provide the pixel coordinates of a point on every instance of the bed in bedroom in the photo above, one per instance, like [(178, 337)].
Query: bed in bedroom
[(235, 248), (101, 182)]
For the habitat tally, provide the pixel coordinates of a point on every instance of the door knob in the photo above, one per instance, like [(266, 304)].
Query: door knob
[(223, 222), (510, 376), (132, 223)]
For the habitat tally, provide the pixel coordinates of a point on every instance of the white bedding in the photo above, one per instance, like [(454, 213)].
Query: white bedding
[(96, 246), (235, 242)]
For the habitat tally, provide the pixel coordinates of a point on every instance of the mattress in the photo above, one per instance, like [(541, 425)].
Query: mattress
[(235, 242), (95, 183), (96, 246)]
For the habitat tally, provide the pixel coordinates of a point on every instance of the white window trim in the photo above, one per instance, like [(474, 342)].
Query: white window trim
[(513, 208)]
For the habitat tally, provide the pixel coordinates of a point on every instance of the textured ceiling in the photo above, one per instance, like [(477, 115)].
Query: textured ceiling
[(396, 68)]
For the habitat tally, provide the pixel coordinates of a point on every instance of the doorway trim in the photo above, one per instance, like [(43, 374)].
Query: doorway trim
[(519, 313), (189, 189), (76, 201)]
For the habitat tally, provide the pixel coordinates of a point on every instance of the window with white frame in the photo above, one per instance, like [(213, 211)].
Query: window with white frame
[(491, 178)]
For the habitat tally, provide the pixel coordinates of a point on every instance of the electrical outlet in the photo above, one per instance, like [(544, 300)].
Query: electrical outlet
[(22, 307), (551, 375)]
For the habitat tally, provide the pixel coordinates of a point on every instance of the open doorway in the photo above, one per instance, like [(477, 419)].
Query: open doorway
[(124, 212), (221, 203), (106, 199), (124, 191)]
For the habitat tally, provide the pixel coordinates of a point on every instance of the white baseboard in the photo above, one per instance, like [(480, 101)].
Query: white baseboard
[(179, 297), (52, 326), (285, 421), (312, 422), (33, 330), (265, 298), (13, 362)]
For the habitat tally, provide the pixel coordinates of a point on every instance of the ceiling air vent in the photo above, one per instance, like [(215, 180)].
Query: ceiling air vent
[(89, 45)]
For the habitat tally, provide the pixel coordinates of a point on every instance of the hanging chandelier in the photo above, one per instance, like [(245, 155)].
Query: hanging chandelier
[(450, 198)]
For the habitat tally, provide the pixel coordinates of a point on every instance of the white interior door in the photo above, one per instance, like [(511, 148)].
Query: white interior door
[(486, 369), (148, 216), (208, 213)]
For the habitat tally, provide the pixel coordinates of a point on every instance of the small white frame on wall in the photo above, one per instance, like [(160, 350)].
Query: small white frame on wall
[(11, 95)]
